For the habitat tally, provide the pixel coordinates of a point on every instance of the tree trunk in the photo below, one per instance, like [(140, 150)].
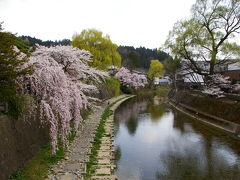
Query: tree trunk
[(212, 62), (175, 83)]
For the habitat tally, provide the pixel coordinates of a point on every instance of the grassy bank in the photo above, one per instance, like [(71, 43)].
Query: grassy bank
[(37, 168), (155, 91), (97, 140)]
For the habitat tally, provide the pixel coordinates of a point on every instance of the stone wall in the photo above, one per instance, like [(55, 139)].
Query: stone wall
[(20, 140), (220, 107)]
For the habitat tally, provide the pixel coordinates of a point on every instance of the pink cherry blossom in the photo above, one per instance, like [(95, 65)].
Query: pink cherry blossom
[(133, 80), (62, 83)]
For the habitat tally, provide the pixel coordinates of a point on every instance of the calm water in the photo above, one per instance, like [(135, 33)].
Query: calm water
[(154, 141)]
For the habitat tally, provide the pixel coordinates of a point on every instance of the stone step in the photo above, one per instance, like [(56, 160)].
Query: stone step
[(67, 176), (74, 165), (103, 161), (105, 153), (107, 144), (103, 171), (106, 140), (104, 177), (102, 148), (110, 166)]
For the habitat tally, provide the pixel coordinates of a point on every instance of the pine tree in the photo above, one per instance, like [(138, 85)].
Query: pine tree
[(11, 61)]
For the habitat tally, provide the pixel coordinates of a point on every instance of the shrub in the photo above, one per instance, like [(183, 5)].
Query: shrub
[(110, 88), (126, 89)]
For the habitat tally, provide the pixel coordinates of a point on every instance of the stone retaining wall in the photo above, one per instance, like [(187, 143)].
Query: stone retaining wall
[(221, 113), (220, 107), (20, 140)]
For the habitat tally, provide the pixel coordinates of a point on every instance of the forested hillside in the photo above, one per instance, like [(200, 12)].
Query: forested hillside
[(139, 58), (132, 58), (32, 41)]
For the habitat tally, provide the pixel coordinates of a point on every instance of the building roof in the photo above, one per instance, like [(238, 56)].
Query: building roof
[(234, 66)]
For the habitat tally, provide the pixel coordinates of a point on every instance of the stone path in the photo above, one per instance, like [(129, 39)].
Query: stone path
[(105, 158), (73, 166)]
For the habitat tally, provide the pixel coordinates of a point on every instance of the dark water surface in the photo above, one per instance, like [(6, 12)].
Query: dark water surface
[(154, 141)]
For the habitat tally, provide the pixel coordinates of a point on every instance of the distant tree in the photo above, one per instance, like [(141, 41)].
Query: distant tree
[(156, 70), (140, 57), (133, 59), (11, 61), (129, 79), (32, 42), (104, 51), (205, 37), (172, 66), (1, 28)]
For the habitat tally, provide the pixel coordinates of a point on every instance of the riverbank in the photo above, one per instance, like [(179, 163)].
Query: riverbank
[(220, 113), (75, 164), (156, 141), (65, 164), (101, 163)]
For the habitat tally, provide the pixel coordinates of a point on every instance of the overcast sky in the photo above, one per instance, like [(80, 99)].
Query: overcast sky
[(128, 22)]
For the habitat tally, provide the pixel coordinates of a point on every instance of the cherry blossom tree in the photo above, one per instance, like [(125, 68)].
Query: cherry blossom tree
[(133, 80), (213, 83), (236, 88), (62, 83)]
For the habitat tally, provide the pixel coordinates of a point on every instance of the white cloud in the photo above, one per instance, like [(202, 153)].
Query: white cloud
[(128, 22)]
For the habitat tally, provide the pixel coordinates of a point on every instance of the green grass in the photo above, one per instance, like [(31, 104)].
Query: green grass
[(162, 91), (97, 140), (117, 154), (86, 116), (37, 167)]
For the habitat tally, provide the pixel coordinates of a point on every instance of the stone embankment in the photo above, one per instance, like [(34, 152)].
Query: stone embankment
[(73, 166), (220, 113), (105, 157)]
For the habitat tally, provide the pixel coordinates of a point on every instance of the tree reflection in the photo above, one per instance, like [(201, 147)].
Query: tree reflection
[(187, 168), (179, 120), (180, 168), (214, 161), (128, 113), (117, 154), (156, 111), (187, 149)]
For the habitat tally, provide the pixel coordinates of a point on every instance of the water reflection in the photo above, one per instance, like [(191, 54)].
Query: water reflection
[(157, 142), (132, 109)]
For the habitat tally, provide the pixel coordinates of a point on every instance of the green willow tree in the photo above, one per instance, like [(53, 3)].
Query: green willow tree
[(104, 51), (156, 70), (10, 70), (172, 66), (207, 35)]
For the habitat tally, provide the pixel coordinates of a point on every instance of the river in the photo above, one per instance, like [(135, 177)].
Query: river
[(154, 141)]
